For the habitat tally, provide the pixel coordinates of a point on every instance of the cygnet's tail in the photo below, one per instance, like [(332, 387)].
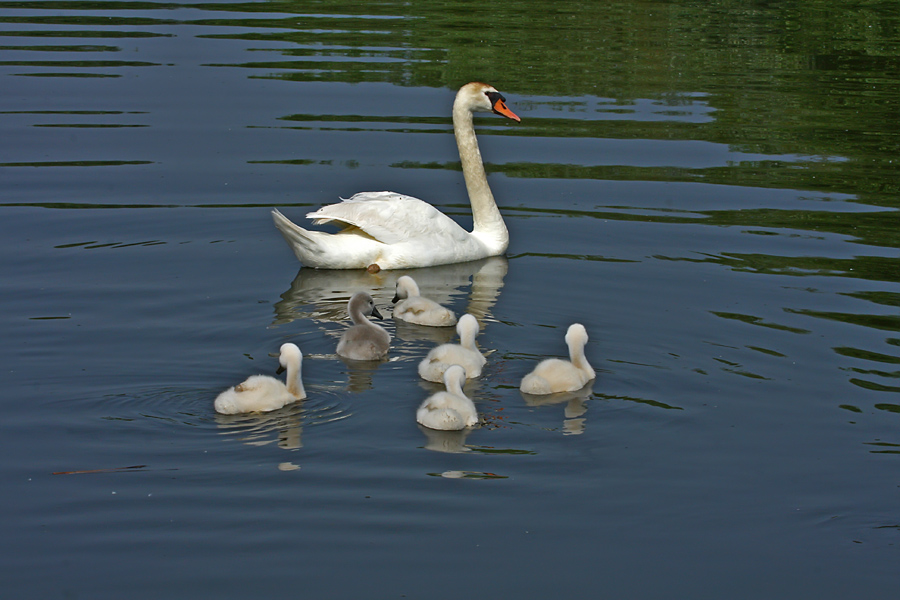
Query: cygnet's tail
[(301, 241)]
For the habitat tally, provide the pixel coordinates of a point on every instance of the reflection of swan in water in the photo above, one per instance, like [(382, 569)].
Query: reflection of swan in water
[(575, 406), (322, 295), (445, 441)]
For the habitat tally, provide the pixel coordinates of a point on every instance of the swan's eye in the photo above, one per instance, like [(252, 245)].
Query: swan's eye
[(495, 97)]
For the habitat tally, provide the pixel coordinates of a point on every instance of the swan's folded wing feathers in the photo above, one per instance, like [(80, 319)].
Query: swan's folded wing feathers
[(388, 217)]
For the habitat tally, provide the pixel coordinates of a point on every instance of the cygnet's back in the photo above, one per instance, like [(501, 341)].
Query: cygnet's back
[(414, 308), (364, 340), (465, 354)]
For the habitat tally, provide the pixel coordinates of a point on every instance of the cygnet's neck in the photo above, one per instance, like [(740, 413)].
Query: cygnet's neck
[(488, 222), (294, 380), (467, 339), (576, 355), (358, 318), (454, 387)]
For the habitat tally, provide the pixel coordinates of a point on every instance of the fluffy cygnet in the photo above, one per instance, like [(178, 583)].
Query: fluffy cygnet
[(261, 393), (414, 308), (465, 354), (557, 375), (449, 410), (364, 340)]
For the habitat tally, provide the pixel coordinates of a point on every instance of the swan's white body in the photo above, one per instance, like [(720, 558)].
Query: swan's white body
[(413, 308), (394, 231), (465, 354), (364, 340), (557, 375), (449, 410), (261, 393)]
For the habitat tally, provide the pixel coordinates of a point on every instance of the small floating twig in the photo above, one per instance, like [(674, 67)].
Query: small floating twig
[(113, 470)]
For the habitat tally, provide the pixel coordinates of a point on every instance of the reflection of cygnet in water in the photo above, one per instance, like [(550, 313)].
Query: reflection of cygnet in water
[(284, 427), (465, 354), (412, 307), (575, 406), (452, 442), (261, 393), (451, 409), (557, 375), (364, 340)]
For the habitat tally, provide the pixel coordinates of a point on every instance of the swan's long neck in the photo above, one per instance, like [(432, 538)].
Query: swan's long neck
[(293, 380), (488, 222)]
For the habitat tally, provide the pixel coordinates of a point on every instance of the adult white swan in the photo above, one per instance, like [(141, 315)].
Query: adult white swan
[(386, 230)]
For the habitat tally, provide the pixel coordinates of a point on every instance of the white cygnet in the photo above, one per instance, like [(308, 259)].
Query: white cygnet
[(414, 308), (364, 340), (557, 375), (465, 354), (450, 410), (261, 393)]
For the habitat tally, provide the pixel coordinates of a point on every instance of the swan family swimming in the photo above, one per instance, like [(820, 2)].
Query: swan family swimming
[(386, 230)]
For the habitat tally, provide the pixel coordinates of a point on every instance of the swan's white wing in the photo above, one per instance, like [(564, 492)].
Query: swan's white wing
[(389, 217)]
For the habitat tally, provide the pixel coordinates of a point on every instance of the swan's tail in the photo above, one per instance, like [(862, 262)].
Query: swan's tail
[(301, 241)]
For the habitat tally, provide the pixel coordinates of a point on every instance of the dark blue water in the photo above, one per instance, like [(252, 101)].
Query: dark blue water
[(719, 211)]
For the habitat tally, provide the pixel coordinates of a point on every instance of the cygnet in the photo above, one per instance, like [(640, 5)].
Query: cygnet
[(556, 375), (414, 308), (364, 340), (261, 393), (450, 410), (465, 354)]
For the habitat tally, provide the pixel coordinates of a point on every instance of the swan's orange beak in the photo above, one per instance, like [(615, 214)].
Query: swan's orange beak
[(501, 109), (498, 104)]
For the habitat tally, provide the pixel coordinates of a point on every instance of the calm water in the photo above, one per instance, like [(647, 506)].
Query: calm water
[(710, 187)]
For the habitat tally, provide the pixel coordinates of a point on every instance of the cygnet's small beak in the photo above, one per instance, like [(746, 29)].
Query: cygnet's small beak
[(280, 370), (396, 299), (377, 314)]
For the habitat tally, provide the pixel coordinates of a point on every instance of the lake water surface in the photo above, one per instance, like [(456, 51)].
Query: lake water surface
[(709, 187)]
